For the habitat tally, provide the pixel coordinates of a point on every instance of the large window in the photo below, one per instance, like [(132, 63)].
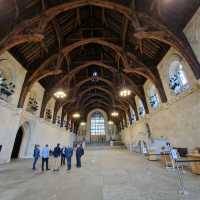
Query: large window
[(97, 124), (177, 78), (153, 97), (133, 117), (141, 109)]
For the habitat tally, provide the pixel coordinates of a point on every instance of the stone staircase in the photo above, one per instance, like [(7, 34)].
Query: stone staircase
[(103, 146)]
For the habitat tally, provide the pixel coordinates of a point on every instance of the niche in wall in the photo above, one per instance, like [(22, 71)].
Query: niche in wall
[(7, 82)]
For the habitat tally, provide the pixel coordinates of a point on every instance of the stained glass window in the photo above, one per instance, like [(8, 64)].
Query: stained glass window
[(97, 124)]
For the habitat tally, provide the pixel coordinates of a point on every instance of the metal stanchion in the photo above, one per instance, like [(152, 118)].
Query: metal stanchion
[(179, 172), (177, 165)]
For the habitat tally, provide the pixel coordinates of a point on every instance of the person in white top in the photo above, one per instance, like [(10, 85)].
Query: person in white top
[(174, 155), (45, 157)]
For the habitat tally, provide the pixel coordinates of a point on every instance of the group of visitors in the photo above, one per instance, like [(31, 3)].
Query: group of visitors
[(59, 156)]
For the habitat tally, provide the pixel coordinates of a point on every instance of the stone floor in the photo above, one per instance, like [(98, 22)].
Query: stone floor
[(106, 175)]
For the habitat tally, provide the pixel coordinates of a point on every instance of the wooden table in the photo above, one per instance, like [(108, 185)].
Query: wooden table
[(152, 156), (195, 166)]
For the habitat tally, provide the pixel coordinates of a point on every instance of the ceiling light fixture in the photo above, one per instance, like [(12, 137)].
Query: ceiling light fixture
[(125, 92), (60, 94), (83, 123), (76, 115), (110, 122), (114, 114)]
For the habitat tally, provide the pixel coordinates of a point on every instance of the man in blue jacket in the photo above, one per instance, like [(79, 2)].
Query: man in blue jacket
[(79, 154), (36, 155), (56, 155), (68, 155)]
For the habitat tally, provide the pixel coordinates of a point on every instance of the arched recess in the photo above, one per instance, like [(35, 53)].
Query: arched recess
[(152, 96), (22, 142), (88, 126), (49, 109), (140, 107)]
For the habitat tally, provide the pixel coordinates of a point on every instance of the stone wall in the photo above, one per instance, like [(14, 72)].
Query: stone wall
[(178, 120), (9, 124), (47, 133), (35, 130)]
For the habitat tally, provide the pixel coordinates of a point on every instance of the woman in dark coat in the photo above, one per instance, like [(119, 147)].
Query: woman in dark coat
[(68, 155), (79, 154)]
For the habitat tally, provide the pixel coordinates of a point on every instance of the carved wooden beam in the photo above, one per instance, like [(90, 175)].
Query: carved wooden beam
[(153, 76), (58, 32), (91, 100), (97, 95), (119, 51), (78, 18), (57, 107), (98, 88), (180, 44), (44, 103), (103, 16), (44, 18), (66, 50), (15, 40), (124, 33), (70, 75), (100, 102), (28, 84)]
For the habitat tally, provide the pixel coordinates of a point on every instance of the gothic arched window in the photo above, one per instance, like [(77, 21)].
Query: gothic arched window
[(97, 124), (153, 97), (133, 117), (7, 86), (177, 78), (141, 109)]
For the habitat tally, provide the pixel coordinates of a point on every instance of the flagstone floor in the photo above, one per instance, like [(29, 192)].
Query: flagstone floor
[(106, 174)]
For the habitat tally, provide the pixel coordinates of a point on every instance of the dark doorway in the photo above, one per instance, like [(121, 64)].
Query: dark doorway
[(17, 144)]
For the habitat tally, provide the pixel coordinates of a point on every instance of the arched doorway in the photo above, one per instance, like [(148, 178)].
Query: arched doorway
[(17, 144)]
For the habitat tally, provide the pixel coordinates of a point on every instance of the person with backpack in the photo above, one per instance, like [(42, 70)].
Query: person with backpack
[(79, 154), (63, 156), (68, 156), (36, 155), (56, 155)]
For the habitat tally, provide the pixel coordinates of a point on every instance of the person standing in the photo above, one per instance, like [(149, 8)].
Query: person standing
[(36, 155), (68, 155), (56, 155), (63, 156), (79, 154), (84, 144), (45, 157)]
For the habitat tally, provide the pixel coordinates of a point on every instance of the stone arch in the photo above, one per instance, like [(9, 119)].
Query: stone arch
[(22, 141)]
